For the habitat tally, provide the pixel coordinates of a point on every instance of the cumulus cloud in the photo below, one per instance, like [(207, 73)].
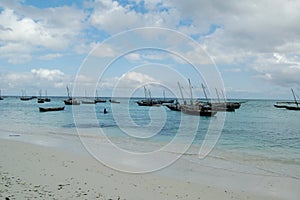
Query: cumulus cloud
[(278, 69), (33, 28), (47, 74), (42, 78), (107, 14), (50, 56)]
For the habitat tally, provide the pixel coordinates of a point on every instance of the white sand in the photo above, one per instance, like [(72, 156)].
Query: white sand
[(28, 171)]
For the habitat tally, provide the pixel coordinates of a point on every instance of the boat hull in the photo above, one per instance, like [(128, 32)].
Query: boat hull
[(51, 109)]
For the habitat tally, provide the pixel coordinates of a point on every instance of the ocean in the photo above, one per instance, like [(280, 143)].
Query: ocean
[(257, 138)]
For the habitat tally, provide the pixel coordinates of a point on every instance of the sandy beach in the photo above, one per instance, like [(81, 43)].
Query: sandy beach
[(29, 171)]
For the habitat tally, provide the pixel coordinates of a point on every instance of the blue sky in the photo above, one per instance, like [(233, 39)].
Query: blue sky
[(255, 45)]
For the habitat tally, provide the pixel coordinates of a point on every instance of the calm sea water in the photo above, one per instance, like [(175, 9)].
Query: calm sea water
[(255, 134)]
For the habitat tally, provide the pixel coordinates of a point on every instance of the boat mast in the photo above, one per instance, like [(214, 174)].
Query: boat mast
[(68, 91), (163, 95), (191, 91), (294, 97), (184, 101), (149, 94), (223, 96), (145, 91), (218, 95), (203, 88)]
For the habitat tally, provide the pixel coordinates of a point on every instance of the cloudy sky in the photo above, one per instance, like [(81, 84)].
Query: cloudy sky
[(255, 44)]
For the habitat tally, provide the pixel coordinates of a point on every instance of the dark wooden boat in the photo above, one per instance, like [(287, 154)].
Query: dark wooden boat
[(70, 100), (113, 101), (41, 100), (198, 110), (292, 108), (1, 98), (25, 98), (88, 102), (46, 99), (174, 107), (51, 109), (288, 107), (100, 100), (279, 106), (148, 103)]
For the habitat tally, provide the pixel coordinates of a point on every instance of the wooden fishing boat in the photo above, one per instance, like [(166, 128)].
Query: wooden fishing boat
[(292, 107), (98, 99), (198, 110), (51, 109), (174, 106), (1, 98), (46, 99), (148, 101), (88, 102), (288, 107), (70, 100), (113, 101), (279, 106)]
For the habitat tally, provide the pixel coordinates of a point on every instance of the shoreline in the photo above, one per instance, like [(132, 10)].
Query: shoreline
[(29, 171)]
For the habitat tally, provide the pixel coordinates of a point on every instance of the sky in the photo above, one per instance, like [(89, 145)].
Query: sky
[(253, 46)]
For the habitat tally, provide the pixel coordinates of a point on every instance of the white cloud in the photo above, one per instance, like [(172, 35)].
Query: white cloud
[(34, 29), (128, 81), (110, 16), (36, 78), (48, 74), (233, 70), (133, 57), (50, 56), (278, 69)]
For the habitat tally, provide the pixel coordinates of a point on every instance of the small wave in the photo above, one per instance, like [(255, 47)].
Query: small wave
[(89, 125)]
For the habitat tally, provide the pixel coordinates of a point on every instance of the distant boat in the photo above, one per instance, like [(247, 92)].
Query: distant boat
[(99, 100), (70, 100), (113, 101), (148, 101), (46, 99), (51, 109), (87, 101), (174, 106), (1, 98), (288, 107), (280, 106), (198, 110), (164, 100), (40, 99), (292, 108), (24, 97)]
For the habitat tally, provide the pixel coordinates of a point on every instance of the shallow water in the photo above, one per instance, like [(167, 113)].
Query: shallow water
[(257, 138)]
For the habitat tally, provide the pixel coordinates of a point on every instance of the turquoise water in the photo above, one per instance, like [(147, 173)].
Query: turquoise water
[(255, 133)]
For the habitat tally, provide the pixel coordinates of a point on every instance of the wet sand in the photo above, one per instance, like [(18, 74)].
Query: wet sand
[(29, 171)]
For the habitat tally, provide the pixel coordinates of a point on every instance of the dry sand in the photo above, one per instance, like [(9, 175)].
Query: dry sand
[(28, 171)]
